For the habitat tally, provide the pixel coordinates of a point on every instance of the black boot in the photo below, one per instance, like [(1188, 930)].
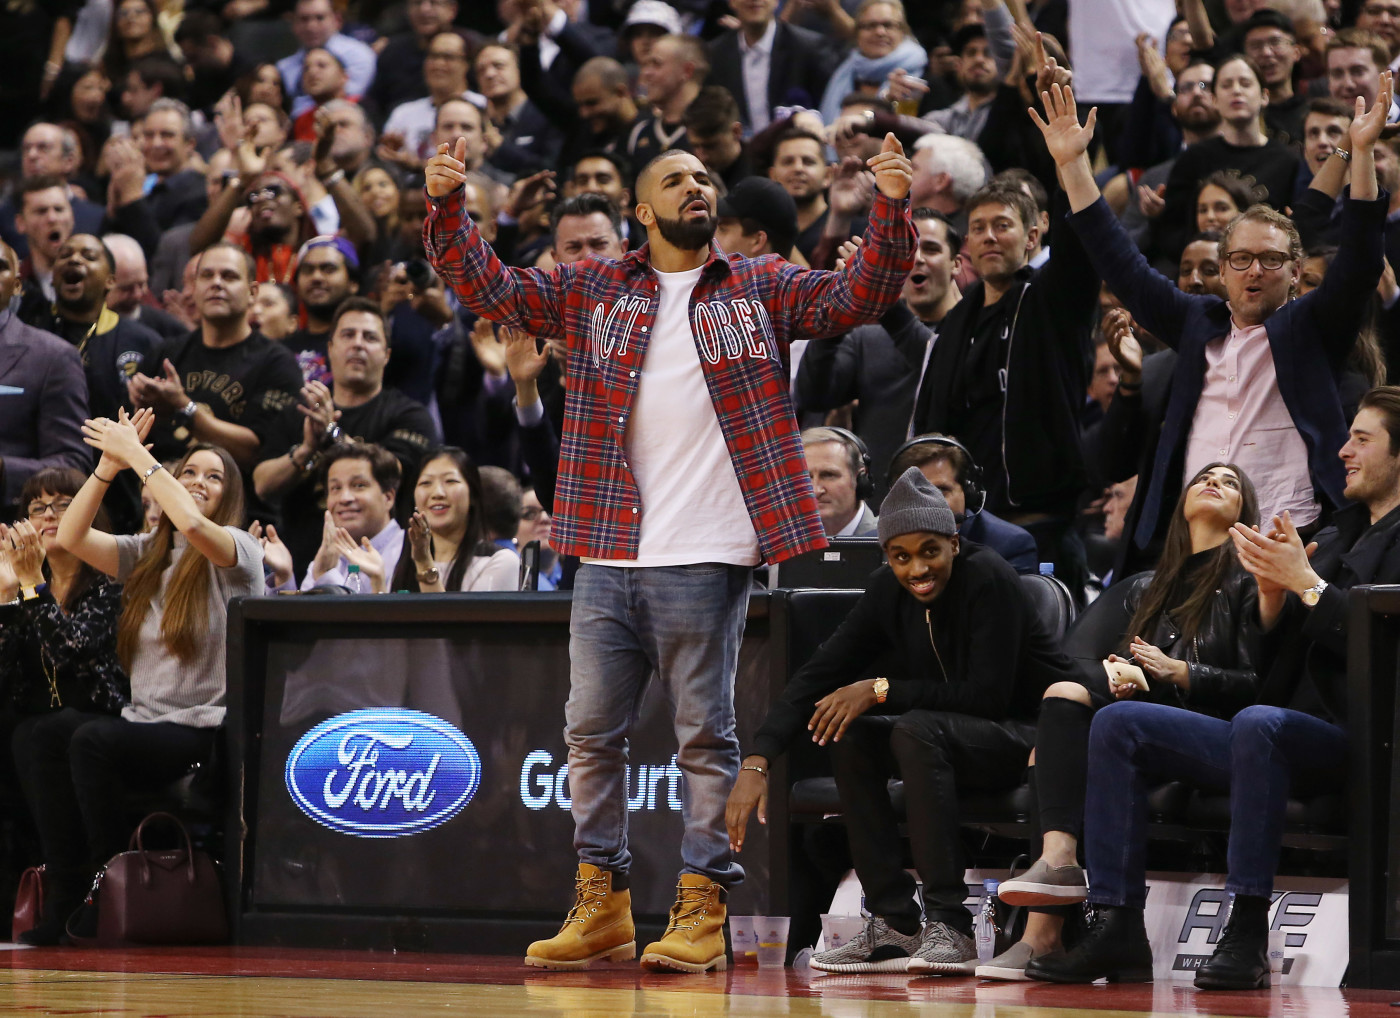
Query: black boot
[(1114, 948), (1241, 958)]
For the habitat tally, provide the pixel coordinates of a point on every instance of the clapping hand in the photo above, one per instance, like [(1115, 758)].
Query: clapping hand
[(1123, 345), (166, 392), (1367, 125), (276, 554), (845, 251), (318, 412), (1065, 138), (1277, 560), (25, 550), (119, 441), (364, 555), (420, 540)]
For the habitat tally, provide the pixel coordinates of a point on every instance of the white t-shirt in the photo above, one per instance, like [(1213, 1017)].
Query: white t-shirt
[(1107, 29), (692, 508)]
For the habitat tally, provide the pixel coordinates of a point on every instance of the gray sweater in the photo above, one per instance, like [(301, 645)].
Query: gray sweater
[(164, 688)]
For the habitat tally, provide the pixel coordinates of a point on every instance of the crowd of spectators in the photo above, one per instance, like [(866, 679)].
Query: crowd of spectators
[(213, 226)]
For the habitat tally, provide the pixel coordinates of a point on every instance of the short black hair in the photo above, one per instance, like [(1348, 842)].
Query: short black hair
[(620, 163), (159, 69), (955, 238), (363, 305), (713, 111), (40, 182), (383, 465), (586, 204), (198, 25)]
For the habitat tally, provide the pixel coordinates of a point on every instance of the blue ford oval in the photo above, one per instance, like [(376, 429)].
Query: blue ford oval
[(385, 772)]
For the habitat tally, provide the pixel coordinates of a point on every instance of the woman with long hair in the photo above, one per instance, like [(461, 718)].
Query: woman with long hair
[(447, 547), (133, 33), (1187, 631), (58, 647), (170, 638)]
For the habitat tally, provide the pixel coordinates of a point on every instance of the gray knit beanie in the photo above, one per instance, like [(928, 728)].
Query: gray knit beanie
[(914, 504)]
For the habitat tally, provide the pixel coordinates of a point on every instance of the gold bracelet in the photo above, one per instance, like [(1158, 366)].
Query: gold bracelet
[(756, 770)]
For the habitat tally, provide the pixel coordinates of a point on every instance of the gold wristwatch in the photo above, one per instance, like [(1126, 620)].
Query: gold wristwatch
[(882, 689), (1314, 593)]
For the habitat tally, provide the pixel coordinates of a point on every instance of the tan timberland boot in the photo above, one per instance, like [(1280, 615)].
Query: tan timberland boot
[(694, 938), (598, 926)]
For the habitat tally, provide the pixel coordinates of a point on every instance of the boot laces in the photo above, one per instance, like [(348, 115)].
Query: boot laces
[(1232, 936), (590, 891), (692, 905)]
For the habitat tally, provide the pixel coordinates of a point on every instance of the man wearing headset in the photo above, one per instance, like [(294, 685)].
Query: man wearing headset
[(964, 658), (839, 466), (950, 467)]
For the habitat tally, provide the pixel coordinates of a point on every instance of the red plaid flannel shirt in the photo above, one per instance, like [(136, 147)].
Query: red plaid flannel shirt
[(743, 313)]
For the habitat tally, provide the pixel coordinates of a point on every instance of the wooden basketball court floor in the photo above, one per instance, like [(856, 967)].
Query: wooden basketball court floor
[(233, 982)]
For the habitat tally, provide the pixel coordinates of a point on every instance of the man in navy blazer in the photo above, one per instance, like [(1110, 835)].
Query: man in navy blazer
[(43, 395), (798, 61), (1255, 381)]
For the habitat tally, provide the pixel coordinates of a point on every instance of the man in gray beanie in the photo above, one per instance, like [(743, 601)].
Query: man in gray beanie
[(971, 660)]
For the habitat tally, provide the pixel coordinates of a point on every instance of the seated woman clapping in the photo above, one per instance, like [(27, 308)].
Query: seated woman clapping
[(1187, 632), (447, 547), (171, 638)]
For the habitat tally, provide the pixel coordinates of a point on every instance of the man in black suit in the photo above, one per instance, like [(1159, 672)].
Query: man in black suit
[(767, 63), (43, 395)]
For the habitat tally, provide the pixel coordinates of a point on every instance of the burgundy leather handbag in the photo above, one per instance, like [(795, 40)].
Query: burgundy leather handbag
[(29, 902), (149, 896)]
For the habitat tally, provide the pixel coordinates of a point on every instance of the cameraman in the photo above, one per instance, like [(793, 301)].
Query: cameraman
[(355, 406)]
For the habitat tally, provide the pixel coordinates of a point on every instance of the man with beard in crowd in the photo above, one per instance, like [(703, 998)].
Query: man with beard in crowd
[(327, 270), (113, 349), (673, 494), (799, 164)]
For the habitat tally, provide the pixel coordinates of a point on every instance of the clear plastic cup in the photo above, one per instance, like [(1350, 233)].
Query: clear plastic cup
[(742, 940), (838, 929), (1278, 942), (772, 934)]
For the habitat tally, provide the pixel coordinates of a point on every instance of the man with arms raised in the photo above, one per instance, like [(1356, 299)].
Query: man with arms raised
[(670, 496), (1255, 381)]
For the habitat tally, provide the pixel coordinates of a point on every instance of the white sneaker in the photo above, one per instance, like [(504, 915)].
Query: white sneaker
[(877, 948)]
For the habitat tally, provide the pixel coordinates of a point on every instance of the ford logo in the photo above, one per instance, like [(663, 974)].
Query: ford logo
[(383, 773)]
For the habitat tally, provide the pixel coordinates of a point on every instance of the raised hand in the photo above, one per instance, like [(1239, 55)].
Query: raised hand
[(447, 171), (420, 541), (1065, 139), (487, 346), (852, 189), (893, 172), (9, 582), (119, 441), (1126, 350), (1153, 67), (1047, 70), (524, 360), (327, 555)]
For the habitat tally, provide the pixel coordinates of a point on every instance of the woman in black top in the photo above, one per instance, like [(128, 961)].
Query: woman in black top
[(58, 657), (1186, 626)]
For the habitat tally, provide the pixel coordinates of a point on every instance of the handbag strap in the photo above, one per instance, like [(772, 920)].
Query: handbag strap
[(136, 845)]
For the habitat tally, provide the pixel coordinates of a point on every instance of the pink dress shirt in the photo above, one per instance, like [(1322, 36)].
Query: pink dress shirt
[(1241, 418)]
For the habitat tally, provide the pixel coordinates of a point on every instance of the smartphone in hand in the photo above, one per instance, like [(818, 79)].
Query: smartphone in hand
[(1121, 672)]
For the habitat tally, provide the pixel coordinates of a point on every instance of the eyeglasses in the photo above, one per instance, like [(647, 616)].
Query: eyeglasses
[(1273, 44), (888, 26), (58, 505), (1193, 86), (270, 193), (1240, 261)]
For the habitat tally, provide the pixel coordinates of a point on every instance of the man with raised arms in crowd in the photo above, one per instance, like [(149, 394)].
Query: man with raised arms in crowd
[(670, 496)]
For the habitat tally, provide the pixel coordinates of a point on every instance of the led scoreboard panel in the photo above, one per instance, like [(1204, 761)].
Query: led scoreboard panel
[(416, 766)]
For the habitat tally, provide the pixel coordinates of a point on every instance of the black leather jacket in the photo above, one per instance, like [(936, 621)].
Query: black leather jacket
[(1223, 676)]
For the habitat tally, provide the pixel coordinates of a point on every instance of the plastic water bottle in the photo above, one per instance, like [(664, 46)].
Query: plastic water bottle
[(985, 928), (355, 580)]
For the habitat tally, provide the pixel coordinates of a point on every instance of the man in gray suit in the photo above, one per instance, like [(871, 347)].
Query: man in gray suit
[(840, 470), (43, 395)]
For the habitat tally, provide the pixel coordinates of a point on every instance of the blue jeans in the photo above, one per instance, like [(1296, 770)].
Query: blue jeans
[(684, 624), (1261, 758)]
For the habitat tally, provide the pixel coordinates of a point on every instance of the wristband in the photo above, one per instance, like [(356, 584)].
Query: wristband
[(104, 480), (151, 470), (756, 770), (188, 411), (1343, 153)]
